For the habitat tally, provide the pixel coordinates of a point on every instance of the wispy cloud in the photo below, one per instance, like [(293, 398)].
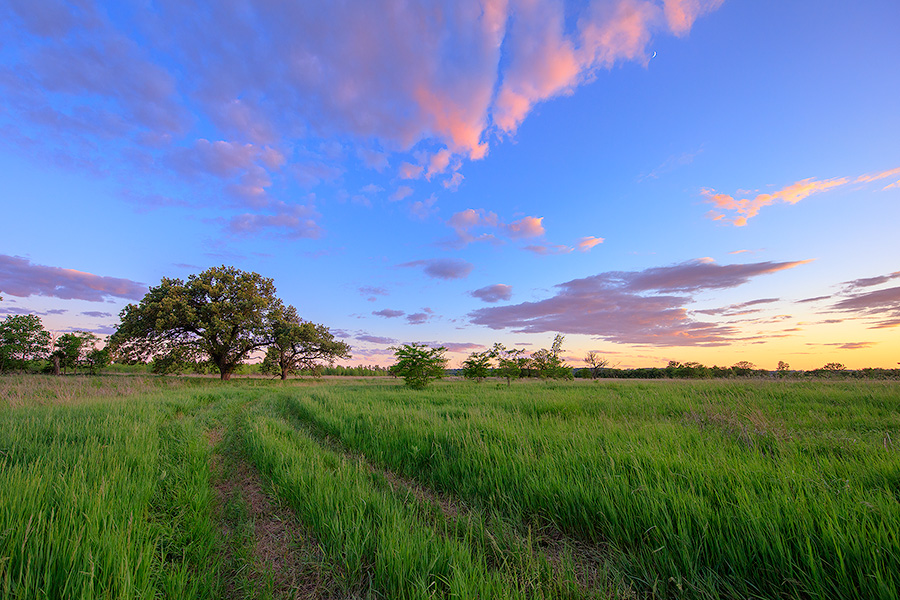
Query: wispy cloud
[(290, 221), (401, 193), (738, 211), (747, 208), (586, 243), (19, 277), (851, 345), (375, 339), (548, 249), (372, 293), (741, 308), (442, 268), (633, 306), (410, 171), (388, 313), (882, 305)]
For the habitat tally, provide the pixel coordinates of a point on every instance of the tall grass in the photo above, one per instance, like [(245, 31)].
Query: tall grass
[(104, 500), (385, 546), (688, 489), (705, 489), (45, 390)]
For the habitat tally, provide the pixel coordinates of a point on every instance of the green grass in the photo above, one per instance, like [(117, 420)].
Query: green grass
[(709, 489)]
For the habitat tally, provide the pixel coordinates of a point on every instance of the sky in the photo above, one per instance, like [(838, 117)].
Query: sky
[(693, 180)]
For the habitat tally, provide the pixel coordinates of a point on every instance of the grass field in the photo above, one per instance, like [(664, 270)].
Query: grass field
[(133, 487)]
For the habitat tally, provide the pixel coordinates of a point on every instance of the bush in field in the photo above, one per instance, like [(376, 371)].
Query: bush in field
[(22, 339), (477, 366), (418, 364)]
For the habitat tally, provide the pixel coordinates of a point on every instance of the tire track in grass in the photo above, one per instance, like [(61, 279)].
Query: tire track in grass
[(278, 557), (588, 563)]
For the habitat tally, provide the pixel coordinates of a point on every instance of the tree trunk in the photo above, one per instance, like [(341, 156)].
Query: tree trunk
[(55, 365), (283, 374), (225, 375)]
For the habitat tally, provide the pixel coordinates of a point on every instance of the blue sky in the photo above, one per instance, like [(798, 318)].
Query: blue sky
[(657, 180)]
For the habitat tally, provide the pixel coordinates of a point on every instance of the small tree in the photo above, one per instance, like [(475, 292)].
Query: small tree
[(298, 344), (834, 367), (96, 359), (548, 363), (477, 366), (22, 339), (782, 369), (72, 349), (418, 364), (743, 368), (510, 361), (596, 363)]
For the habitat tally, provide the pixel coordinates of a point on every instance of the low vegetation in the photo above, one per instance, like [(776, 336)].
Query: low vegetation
[(144, 487)]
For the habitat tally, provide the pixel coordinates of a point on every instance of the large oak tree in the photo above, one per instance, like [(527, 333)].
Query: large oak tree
[(221, 315)]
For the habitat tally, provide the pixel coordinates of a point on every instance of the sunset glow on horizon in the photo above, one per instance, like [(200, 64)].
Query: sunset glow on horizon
[(695, 180)]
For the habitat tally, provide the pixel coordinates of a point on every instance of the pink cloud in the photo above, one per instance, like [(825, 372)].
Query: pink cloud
[(527, 227), (748, 208), (878, 175), (681, 14), (586, 243), (493, 293), (388, 313), (472, 218), (410, 171), (447, 74), (19, 277), (438, 163)]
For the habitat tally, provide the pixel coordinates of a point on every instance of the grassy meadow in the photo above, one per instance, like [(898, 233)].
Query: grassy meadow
[(142, 487)]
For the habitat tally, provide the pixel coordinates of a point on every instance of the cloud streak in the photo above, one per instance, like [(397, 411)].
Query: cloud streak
[(639, 307), (19, 277), (737, 212)]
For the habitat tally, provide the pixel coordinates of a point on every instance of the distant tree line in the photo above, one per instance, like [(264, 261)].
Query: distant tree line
[(742, 369)]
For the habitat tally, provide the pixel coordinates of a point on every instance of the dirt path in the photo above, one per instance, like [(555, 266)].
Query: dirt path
[(284, 558), (588, 561)]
